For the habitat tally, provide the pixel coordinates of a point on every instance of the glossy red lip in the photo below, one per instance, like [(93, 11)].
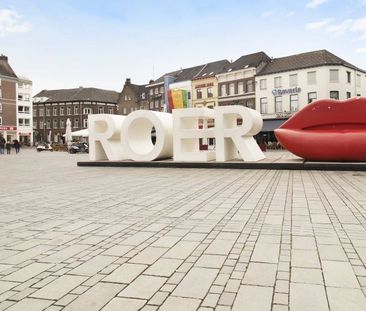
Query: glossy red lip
[(327, 130)]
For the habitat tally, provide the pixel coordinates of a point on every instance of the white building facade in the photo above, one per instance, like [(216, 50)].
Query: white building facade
[(286, 85), (24, 111)]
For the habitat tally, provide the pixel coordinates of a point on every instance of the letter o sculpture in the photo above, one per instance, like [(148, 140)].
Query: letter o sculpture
[(136, 135)]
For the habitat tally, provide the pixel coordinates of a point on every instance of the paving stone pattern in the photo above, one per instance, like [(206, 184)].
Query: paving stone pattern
[(79, 238)]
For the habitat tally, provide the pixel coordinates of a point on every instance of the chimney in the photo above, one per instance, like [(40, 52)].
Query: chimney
[(3, 57), (151, 81), (128, 81)]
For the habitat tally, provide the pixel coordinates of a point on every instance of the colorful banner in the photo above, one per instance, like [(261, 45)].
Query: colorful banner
[(178, 99)]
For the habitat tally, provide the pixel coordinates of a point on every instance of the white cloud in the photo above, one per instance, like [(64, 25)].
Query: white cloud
[(361, 50), (318, 25), (313, 4), (337, 29), (12, 22)]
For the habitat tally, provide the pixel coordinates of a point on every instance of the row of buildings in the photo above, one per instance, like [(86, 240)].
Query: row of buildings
[(15, 105), (275, 87)]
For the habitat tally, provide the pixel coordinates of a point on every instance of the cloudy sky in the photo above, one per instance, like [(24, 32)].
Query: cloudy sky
[(71, 43)]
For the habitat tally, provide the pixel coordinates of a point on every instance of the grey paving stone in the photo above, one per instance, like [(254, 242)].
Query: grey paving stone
[(339, 274), (125, 304), (31, 304), (262, 274), (93, 265), (144, 287), (341, 299), (197, 283), (253, 298), (180, 304), (125, 273), (164, 267)]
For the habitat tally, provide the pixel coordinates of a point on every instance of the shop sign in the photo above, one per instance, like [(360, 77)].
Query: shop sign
[(116, 138), (204, 85), (279, 92), (8, 128)]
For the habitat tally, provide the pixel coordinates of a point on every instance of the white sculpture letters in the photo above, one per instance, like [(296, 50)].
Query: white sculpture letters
[(115, 138)]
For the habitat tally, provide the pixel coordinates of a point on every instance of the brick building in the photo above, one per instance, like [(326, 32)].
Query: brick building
[(8, 100), (133, 97), (52, 108)]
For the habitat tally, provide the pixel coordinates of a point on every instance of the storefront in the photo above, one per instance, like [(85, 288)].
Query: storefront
[(8, 132)]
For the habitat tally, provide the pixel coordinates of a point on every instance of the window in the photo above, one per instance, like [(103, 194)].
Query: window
[(293, 80), (250, 87), (161, 89), (110, 110), (189, 95), (26, 97), (48, 124), (62, 111), (87, 111), (20, 96), (26, 109), (294, 102), (76, 123), (264, 105), (277, 82), (143, 95), (263, 84), (311, 97), (209, 92), (1, 120), (126, 97), (223, 89), (85, 123), (156, 104), (27, 122), (334, 94), (20, 109), (62, 123), (348, 77), (348, 94), (21, 122), (55, 124), (68, 110), (76, 110), (231, 89), (156, 90), (358, 80), (199, 93), (241, 87), (54, 111), (312, 77), (278, 103), (125, 110), (151, 105), (1, 107), (151, 92), (41, 125), (333, 75), (41, 112), (48, 111), (100, 109)]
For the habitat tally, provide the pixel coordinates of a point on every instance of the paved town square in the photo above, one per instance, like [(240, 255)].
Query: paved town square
[(82, 238)]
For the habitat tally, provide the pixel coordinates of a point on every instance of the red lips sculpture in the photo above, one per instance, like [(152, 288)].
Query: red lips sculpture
[(327, 130)]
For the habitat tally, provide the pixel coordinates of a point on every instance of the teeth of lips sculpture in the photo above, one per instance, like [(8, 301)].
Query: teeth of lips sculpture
[(327, 130)]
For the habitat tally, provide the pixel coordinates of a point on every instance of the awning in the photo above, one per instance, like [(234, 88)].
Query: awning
[(271, 125)]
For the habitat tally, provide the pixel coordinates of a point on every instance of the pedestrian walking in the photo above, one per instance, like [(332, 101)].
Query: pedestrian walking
[(8, 147), (16, 146), (2, 144)]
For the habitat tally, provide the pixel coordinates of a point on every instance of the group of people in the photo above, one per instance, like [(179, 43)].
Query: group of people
[(7, 145)]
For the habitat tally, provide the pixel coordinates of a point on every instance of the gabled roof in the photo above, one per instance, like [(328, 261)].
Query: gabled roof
[(79, 94), (250, 60), (212, 69), (5, 69), (304, 60)]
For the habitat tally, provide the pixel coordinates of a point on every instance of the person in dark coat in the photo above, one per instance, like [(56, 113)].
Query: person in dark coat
[(2, 144), (16, 146), (8, 147)]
